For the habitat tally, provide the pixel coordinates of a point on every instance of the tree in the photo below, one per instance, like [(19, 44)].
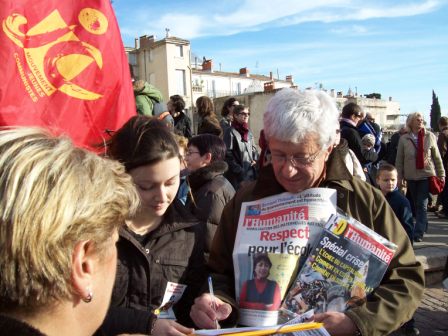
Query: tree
[(435, 112)]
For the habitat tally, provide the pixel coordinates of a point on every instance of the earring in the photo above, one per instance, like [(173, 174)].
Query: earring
[(89, 296)]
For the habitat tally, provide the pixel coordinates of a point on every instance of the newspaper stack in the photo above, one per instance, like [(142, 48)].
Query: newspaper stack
[(274, 237)]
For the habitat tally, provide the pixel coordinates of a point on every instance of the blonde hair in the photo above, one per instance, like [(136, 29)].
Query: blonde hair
[(52, 196), (181, 141), (411, 117)]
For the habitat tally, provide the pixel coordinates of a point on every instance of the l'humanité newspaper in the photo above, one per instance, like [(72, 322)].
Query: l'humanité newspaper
[(275, 235), (347, 263)]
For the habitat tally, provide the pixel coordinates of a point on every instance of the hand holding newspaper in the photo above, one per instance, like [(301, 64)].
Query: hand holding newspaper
[(274, 237), (348, 262)]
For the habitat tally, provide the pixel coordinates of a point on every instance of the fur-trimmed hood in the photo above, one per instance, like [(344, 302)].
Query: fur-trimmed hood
[(202, 175)]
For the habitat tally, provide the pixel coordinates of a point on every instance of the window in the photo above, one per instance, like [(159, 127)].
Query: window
[(180, 83), (180, 51)]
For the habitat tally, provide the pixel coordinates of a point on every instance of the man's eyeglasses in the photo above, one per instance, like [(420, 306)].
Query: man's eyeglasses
[(296, 161)]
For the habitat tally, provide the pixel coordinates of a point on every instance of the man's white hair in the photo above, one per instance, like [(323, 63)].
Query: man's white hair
[(291, 115)]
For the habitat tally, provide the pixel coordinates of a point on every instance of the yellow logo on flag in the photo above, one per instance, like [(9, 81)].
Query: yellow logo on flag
[(54, 54)]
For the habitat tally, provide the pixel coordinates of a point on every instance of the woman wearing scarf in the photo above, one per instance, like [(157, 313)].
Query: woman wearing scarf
[(418, 158), (241, 153)]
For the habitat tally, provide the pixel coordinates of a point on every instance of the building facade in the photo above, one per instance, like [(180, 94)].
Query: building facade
[(167, 64), (212, 83), (164, 64)]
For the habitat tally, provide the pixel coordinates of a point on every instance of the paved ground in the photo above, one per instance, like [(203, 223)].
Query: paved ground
[(432, 315)]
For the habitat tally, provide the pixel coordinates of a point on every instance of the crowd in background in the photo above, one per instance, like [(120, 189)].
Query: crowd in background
[(164, 192)]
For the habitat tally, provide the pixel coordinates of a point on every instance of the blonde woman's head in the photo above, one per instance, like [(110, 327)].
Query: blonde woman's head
[(52, 196)]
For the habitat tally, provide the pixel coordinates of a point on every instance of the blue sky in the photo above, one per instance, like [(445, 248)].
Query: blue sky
[(397, 48)]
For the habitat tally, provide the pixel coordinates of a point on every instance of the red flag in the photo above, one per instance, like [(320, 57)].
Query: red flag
[(63, 66)]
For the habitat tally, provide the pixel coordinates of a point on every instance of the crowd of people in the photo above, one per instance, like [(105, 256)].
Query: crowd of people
[(170, 202)]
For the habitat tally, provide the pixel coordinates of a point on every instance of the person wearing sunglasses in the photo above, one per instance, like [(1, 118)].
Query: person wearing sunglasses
[(300, 130), (227, 113), (242, 155)]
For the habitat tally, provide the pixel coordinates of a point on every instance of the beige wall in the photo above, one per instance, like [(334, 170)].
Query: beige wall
[(158, 70), (258, 101), (178, 63)]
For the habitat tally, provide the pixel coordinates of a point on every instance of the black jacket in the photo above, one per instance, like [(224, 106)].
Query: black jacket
[(350, 133), (173, 252), (182, 123), (392, 147), (225, 124), (210, 192), (10, 326), (239, 156)]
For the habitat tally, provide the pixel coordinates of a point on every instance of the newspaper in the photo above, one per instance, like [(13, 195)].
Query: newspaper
[(347, 263), (275, 235)]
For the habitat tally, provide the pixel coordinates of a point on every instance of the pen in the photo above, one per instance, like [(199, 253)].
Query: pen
[(212, 295)]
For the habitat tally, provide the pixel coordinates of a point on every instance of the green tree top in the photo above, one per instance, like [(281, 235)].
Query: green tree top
[(435, 112)]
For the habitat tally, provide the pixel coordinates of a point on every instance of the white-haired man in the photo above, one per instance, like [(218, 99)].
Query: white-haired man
[(300, 129)]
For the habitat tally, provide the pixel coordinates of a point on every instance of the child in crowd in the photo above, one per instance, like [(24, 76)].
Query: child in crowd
[(386, 180)]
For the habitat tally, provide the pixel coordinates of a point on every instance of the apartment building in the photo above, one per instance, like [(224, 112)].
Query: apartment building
[(215, 83), (167, 64), (163, 63)]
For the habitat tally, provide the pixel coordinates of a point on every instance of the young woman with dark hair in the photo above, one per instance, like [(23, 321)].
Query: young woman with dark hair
[(208, 122), (162, 243), (210, 190)]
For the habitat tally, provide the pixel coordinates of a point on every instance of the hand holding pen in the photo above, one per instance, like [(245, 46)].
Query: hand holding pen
[(212, 296), (208, 310)]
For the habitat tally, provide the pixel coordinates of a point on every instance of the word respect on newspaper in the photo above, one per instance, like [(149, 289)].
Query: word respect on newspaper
[(285, 234)]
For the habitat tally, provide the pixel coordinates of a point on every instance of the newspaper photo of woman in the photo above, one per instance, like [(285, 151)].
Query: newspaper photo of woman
[(260, 293)]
